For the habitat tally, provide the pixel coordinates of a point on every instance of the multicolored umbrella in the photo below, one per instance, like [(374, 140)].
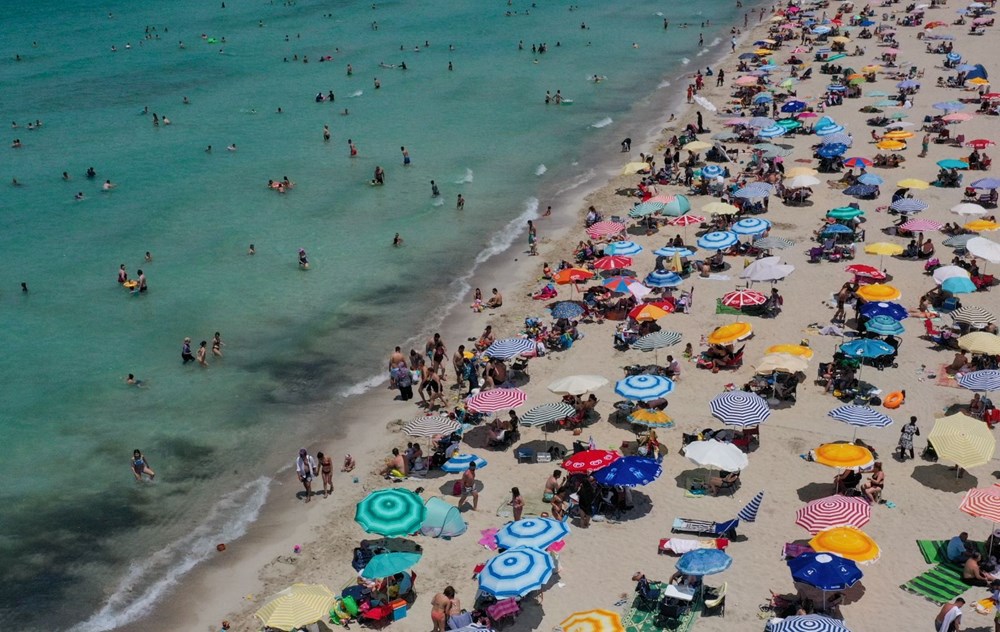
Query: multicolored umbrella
[(538, 533), (651, 418), (687, 220), (516, 572), (590, 460), (883, 308), (647, 312), (644, 387), (568, 310), (629, 471), (740, 408), (391, 512), (833, 511), (701, 562), (496, 399), (858, 162)]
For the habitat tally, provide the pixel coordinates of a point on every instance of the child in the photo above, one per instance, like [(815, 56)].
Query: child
[(688, 351), (348, 463)]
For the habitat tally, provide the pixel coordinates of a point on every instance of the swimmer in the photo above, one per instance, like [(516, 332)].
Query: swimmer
[(65, 176), (251, 250), (78, 196), (185, 101), (435, 192), (208, 149), (24, 287), (378, 84), (140, 466), (379, 176), (217, 345), (231, 147), (397, 241), (303, 260), (352, 147), (326, 133), (280, 111), (203, 353), (406, 155), (460, 204), (131, 381), (350, 70), (450, 67), (149, 257), (345, 112), (14, 182), (90, 172), (107, 186)]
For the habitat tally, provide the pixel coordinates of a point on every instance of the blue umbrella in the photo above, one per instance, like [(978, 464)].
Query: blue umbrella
[(861, 190), (568, 310), (627, 248), (978, 73), (952, 163), (644, 387), (949, 106), (894, 311), (793, 106), (538, 533), (825, 571), (712, 171), (884, 326), (718, 240), (740, 408), (700, 562), (516, 572), (749, 512), (836, 87), (755, 190), (661, 278), (670, 251), (953, 57), (870, 179), (809, 623), (829, 129), (908, 205), (986, 183), (821, 30), (629, 471), (839, 138), (908, 83), (772, 132), (748, 56), (507, 348), (835, 229), (862, 416), (866, 23), (831, 151), (763, 97), (751, 226), (460, 463), (388, 564), (965, 67), (866, 348), (958, 285), (985, 380)]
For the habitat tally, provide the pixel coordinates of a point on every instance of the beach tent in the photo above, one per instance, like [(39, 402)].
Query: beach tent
[(979, 72), (443, 519)]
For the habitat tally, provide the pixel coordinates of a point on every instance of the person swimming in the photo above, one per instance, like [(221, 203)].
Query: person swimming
[(303, 260), (140, 466)]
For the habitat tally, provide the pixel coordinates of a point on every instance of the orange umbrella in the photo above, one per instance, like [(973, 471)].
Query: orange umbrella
[(730, 333), (843, 455), (647, 312), (849, 542), (879, 292), (572, 275)]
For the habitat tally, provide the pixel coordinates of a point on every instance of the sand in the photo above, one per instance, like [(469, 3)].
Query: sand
[(598, 562)]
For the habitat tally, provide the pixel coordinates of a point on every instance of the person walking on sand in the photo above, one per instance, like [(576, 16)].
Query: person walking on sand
[(441, 609), (326, 470), (140, 466), (305, 469), (469, 487), (906, 435)]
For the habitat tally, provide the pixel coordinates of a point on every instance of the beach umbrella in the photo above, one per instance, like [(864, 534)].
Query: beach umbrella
[(857, 162), (647, 312), (956, 117), (766, 272), (719, 208), (388, 564), (516, 572), (507, 348), (948, 106), (547, 413), (844, 212), (730, 333), (629, 471), (605, 229), (725, 136), (538, 533), (572, 275), (657, 340), (762, 97), (884, 326), (712, 171), (589, 460), (431, 425), (920, 225), (789, 124), (627, 248), (861, 416), (958, 285), (800, 182), (870, 179), (663, 198), (632, 168), (769, 243), (800, 171), (958, 242), (740, 408), (496, 399), (568, 310), (755, 190), (908, 83), (686, 220), (908, 205), (645, 208), (861, 190), (701, 562), (782, 362), (644, 387), (593, 621), (809, 623), (773, 131), (760, 121), (986, 380), (829, 129), (613, 262), (884, 248), (972, 315), (913, 183), (952, 163), (662, 278), (883, 308), (739, 299), (790, 349), (984, 249), (790, 107), (697, 145), (577, 384), (848, 542), (716, 454), (879, 292), (866, 348), (825, 571), (986, 183), (983, 503), (843, 455), (968, 208), (671, 251), (461, 462), (749, 511), (963, 440), (866, 271), (979, 143), (837, 229), (840, 138), (980, 342), (831, 151), (718, 240), (676, 207), (751, 226), (651, 418), (981, 225), (297, 606), (391, 512), (705, 103), (619, 284), (833, 511), (891, 145)]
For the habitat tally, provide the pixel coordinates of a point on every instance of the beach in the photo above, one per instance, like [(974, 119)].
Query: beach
[(597, 564)]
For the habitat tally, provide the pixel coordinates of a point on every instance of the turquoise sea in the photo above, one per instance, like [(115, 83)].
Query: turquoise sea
[(79, 539)]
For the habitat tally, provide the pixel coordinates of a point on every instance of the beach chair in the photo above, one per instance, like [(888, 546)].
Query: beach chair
[(706, 528), (669, 615), (646, 596), (716, 602)]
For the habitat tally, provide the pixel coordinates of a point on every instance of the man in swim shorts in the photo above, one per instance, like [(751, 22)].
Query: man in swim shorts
[(469, 487)]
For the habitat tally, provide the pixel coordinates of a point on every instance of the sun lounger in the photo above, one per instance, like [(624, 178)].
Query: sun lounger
[(680, 546), (706, 528)]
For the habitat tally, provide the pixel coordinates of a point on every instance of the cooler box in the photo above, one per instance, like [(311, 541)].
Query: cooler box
[(398, 609)]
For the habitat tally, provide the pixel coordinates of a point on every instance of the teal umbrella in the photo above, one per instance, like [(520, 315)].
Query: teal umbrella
[(789, 123), (391, 512), (952, 163), (388, 564), (677, 207), (844, 212)]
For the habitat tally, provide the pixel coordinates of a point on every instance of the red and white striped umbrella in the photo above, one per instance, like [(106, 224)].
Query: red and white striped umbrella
[(862, 270), (590, 460), (920, 225), (663, 198), (982, 503), (743, 298), (605, 229), (686, 220), (496, 399), (833, 511), (613, 262)]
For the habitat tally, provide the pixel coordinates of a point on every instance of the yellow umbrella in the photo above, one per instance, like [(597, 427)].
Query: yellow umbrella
[(730, 333), (840, 39), (963, 440), (891, 145), (296, 606), (981, 225), (980, 342), (784, 362), (720, 208), (879, 292), (697, 145), (979, 81), (884, 248), (762, 51), (675, 263), (898, 135), (849, 542), (845, 455), (649, 312), (800, 171), (651, 418), (634, 167), (795, 350), (871, 68), (913, 183), (593, 621)]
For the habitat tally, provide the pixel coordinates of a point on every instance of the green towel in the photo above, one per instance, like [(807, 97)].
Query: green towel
[(940, 584), (724, 309), (934, 551)]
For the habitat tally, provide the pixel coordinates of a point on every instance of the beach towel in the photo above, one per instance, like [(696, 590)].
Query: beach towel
[(943, 379), (942, 583)]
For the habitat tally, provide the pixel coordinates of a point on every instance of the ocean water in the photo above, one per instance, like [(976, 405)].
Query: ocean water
[(79, 539)]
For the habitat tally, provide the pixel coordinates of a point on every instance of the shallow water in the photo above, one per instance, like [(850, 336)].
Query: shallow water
[(76, 529)]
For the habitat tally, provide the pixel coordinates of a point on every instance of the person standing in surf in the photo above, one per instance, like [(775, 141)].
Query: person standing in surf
[(140, 466)]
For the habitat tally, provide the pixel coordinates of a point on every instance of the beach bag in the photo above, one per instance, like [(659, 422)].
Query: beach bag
[(456, 489)]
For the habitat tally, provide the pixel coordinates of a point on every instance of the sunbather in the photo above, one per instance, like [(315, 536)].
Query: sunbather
[(715, 483)]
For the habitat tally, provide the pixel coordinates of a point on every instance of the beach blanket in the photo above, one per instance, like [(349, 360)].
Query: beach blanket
[(642, 617), (725, 309), (942, 583), (943, 379)]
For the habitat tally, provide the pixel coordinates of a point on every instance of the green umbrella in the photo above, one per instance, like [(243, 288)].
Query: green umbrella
[(391, 512), (388, 564), (677, 207), (789, 123), (844, 212)]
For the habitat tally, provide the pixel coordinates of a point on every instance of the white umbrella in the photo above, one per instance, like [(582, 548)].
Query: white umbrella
[(705, 103), (984, 249), (712, 453), (968, 208), (769, 273), (799, 182), (577, 384), (946, 272), (638, 290)]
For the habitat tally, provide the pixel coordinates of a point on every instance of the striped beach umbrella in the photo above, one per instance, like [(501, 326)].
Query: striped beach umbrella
[(663, 278), (547, 413), (861, 416), (568, 310), (987, 380), (973, 315), (509, 347), (760, 122), (657, 340), (605, 229), (769, 243), (908, 205), (829, 129), (809, 623), (833, 511), (983, 503), (921, 225), (740, 408), (538, 533), (739, 299), (959, 241), (644, 387), (893, 310), (963, 440), (391, 512), (593, 621), (712, 171), (687, 220), (774, 131), (718, 240), (755, 190), (431, 425), (629, 471), (613, 262), (885, 326), (677, 206), (670, 251), (297, 606), (461, 462), (749, 512), (701, 562), (516, 572), (840, 138), (751, 226), (496, 399), (627, 248), (645, 208), (589, 460)]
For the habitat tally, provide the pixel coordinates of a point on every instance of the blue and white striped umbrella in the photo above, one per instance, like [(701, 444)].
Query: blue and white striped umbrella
[(821, 30), (629, 471), (861, 416), (762, 97), (701, 562), (908, 205), (662, 278), (627, 248), (829, 129), (755, 190), (760, 122), (885, 326), (751, 226), (986, 380), (740, 408), (953, 57), (567, 309), (460, 463), (809, 623), (840, 138), (718, 240), (516, 572), (749, 513), (538, 533), (670, 251), (712, 171), (870, 179), (644, 387), (657, 340), (772, 132), (507, 348)]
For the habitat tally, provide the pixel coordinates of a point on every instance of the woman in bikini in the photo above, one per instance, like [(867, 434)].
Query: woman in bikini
[(217, 344), (326, 469), (140, 466)]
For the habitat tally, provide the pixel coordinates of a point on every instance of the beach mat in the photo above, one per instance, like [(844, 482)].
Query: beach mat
[(725, 309), (643, 619), (943, 379), (934, 551), (944, 582)]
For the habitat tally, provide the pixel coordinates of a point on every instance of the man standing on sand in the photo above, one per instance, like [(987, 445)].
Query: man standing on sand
[(394, 359), (305, 469), (469, 487), (949, 617), (458, 362)]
